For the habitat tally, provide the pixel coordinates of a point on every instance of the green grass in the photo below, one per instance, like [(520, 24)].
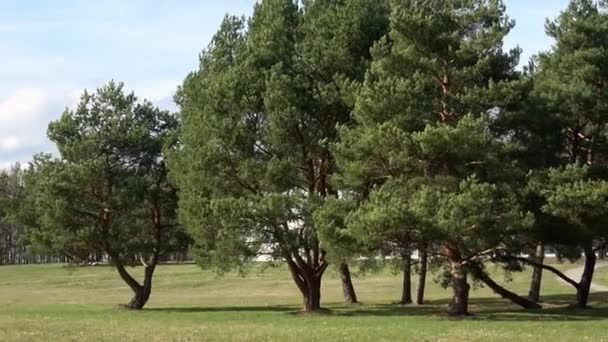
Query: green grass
[(600, 275), (52, 303)]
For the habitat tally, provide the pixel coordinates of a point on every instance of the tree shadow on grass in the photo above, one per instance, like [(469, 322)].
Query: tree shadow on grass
[(482, 309), (496, 309), (270, 308)]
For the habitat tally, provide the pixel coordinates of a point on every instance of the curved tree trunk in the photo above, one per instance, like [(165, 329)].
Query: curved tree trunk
[(582, 292), (537, 273), (141, 292), (406, 292), (347, 284), (503, 292), (423, 254), (459, 305), (140, 298), (582, 287)]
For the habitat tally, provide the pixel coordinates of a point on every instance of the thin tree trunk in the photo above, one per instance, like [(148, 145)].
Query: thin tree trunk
[(347, 284), (582, 293), (537, 273), (459, 305), (423, 258), (406, 292)]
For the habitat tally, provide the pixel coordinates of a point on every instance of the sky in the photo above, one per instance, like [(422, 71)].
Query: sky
[(50, 51)]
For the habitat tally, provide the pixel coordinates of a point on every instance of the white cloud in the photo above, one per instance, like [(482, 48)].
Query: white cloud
[(5, 165), (9, 143), (26, 112), (22, 105), (156, 91), (24, 116)]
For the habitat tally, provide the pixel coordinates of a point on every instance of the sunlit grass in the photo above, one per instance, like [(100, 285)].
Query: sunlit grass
[(53, 303)]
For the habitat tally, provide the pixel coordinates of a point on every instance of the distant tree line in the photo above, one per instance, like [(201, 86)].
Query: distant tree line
[(322, 132)]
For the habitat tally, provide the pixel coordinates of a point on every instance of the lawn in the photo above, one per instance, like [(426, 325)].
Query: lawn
[(54, 303), (600, 275)]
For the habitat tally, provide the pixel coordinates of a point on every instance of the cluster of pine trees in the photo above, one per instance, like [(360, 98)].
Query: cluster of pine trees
[(325, 131)]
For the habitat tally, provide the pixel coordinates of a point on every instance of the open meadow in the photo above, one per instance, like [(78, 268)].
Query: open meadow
[(453, 139), (54, 303)]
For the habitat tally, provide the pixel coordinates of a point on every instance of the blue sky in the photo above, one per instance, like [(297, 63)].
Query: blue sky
[(51, 50)]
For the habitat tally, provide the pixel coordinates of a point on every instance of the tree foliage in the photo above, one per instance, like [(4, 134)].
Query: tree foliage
[(109, 191), (257, 121)]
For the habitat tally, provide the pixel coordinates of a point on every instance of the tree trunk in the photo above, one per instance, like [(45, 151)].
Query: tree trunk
[(406, 293), (308, 281), (140, 298), (582, 292), (459, 305), (347, 284), (504, 293), (141, 292), (537, 273), (423, 258), (312, 297)]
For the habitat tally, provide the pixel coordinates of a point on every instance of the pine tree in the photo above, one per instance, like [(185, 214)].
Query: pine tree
[(424, 148), (572, 85), (257, 120), (108, 191)]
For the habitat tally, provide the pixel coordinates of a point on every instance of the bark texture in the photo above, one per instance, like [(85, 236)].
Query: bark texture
[(307, 276), (347, 284), (141, 292), (584, 285), (459, 305), (537, 273), (406, 292)]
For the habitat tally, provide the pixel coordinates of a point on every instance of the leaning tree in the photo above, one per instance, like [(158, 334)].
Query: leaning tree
[(571, 91), (108, 191)]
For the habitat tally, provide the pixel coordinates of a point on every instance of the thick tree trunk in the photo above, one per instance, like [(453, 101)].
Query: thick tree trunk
[(504, 293), (140, 298), (582, 292), (459, 305), (537, 273), (307, 277), (141, 292), (423, 258), (312, 297), (406, 292), (347, 284)]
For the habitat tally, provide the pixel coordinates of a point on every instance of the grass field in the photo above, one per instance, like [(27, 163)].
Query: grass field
[(52, 303), (600, 276)]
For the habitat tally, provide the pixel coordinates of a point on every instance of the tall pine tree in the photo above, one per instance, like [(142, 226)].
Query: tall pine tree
[(423, 147), (257, 121)]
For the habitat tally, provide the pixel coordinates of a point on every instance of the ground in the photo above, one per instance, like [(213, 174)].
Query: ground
[(54, 303)]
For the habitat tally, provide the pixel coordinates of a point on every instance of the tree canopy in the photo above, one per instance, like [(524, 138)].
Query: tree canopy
[(109, 191)]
